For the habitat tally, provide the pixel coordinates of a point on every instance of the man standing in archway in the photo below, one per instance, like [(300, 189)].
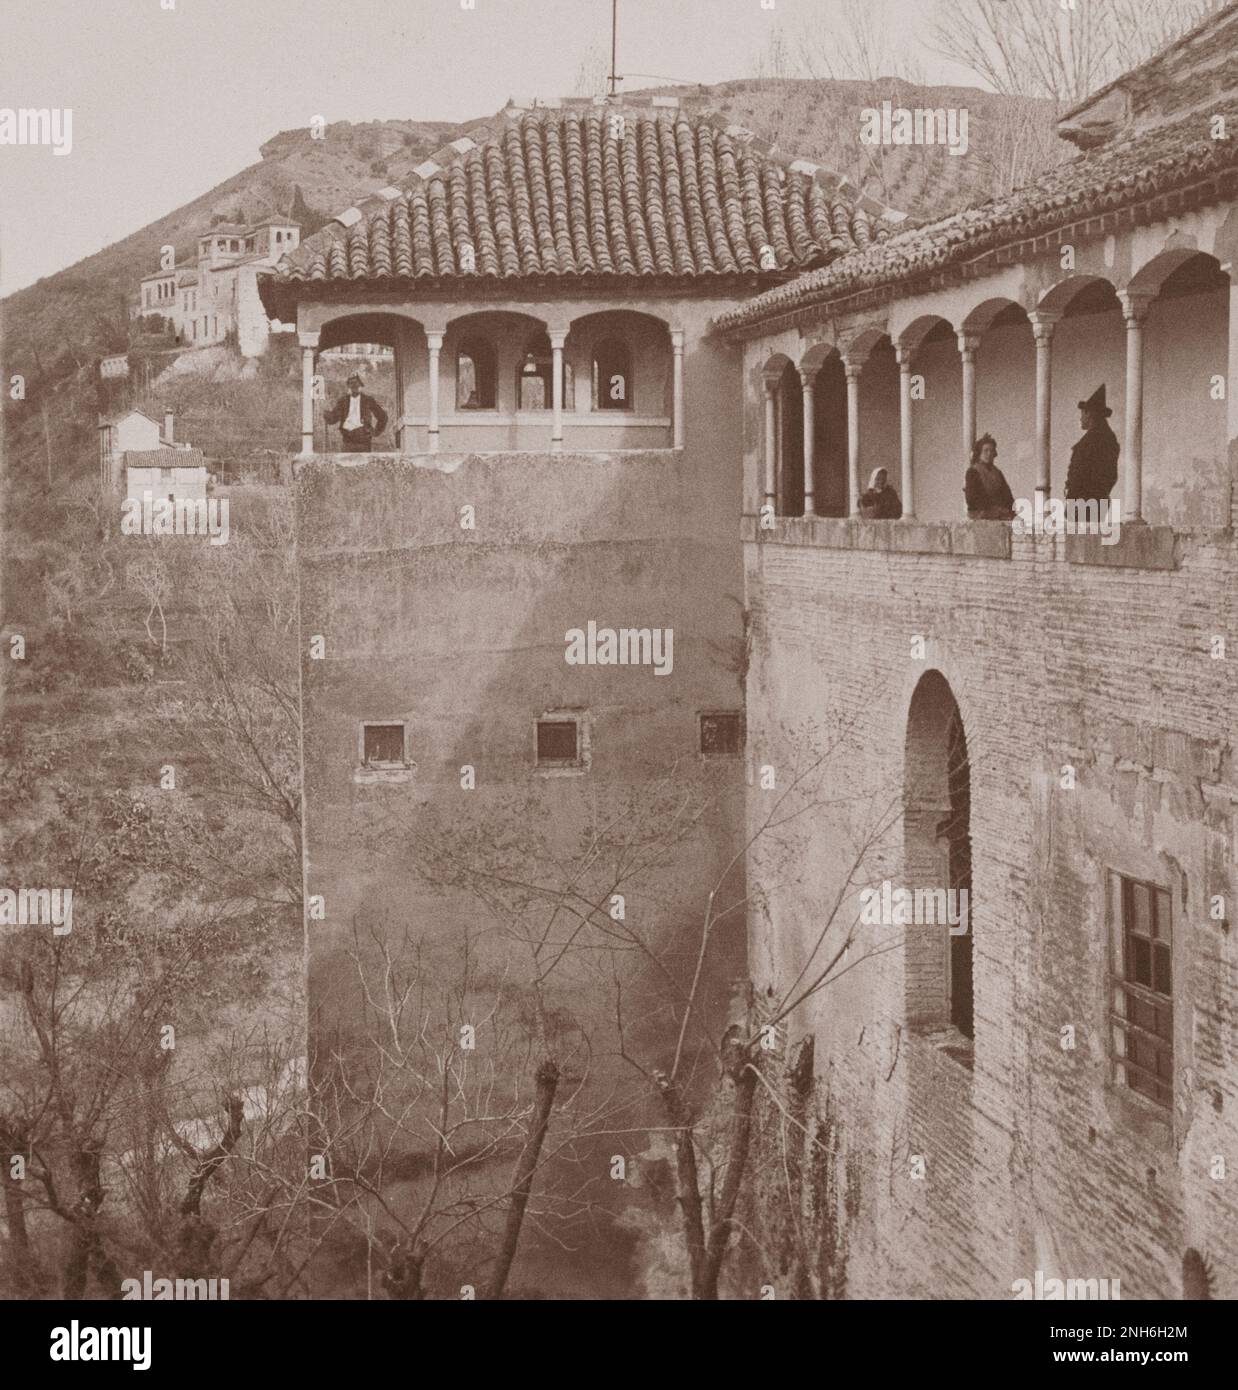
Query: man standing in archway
[(1094, 459), (360, 418)]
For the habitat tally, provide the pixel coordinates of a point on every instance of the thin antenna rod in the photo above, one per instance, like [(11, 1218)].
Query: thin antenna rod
[(614, 30)]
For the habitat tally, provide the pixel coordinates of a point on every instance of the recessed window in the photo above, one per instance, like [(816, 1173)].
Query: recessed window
[(558, 741), (1141, 985), (383, 745), (721, 734), (475, 375), (612, 375)]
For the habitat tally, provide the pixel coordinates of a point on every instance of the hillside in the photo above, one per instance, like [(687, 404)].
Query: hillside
[(55, 330), (64, 320), (1009, 138)]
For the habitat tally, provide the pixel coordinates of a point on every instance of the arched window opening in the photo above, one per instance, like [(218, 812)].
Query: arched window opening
[(612, 375), (476, 378), (957, 832), (790, 453), (535, 377), (937, 866)]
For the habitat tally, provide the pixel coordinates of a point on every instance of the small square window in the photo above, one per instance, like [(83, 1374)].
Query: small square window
[(721, 735), (558, 741), (384, 745)]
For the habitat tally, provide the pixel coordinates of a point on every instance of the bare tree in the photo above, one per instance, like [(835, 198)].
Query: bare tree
[(1029, 48), (446, 1117), (663, 965)]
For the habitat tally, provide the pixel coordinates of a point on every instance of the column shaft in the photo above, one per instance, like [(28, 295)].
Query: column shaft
[(906, 439), (809, 382), (435, 344)]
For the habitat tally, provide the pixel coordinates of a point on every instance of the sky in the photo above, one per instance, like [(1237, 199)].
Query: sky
[(171, 97)]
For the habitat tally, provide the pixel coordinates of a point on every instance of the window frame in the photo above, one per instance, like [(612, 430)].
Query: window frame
[(384, 765), (1122, 988), (737, 715), (563, 767)]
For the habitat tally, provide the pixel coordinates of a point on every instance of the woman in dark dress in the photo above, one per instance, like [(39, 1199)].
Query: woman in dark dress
[(985, 488)]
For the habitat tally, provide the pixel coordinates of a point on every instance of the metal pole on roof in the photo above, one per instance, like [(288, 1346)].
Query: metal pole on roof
[(614, 29)]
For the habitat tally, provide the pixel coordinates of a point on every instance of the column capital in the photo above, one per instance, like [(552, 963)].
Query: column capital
[(902, 355), (853, 366), (1043, 322), (968, 343), (557, 336), (1135, 304), (677, 337), (309, 339), (434, 339), (770, 384), (808, 376)]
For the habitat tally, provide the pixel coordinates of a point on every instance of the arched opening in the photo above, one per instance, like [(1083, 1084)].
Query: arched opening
[(824, 367), (879, 410), (1006, 388), (476, 374), (613, 382), (346, 348), (1089, 350), (937, 861), (789, 448), (1185, 372), (624, 362), (939, 461)]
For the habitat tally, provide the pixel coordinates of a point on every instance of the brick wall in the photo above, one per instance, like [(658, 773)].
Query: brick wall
[(1034, 1157)]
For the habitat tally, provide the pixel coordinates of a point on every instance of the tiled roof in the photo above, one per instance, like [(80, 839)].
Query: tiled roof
[(1168, 169), (164, 458), (1192, 74), (574, 191)]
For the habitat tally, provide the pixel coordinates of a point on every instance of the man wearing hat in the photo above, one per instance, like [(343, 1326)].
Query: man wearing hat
[(1094, 459), (360, 417)]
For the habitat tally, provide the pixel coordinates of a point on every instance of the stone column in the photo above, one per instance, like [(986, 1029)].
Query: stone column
[(852, 367), (968, 343), (677, 427), (808, 380), (1135, 310), (399, 347), (435, 343), (1042, 321), (558, 336), (769, 498), (906, 440), (309, 346)]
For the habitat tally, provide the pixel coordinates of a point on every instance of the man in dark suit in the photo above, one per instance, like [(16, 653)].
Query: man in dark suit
[(360, 418), (1094, 459)]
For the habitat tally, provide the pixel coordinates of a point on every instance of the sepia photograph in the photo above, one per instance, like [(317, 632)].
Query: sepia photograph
[(618, 685)]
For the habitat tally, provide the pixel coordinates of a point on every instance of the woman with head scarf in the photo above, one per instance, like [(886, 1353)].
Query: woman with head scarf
[(880, 502), (985, 488)]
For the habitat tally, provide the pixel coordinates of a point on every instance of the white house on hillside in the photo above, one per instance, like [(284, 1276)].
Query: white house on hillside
[(151, 459), (218, 293)]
